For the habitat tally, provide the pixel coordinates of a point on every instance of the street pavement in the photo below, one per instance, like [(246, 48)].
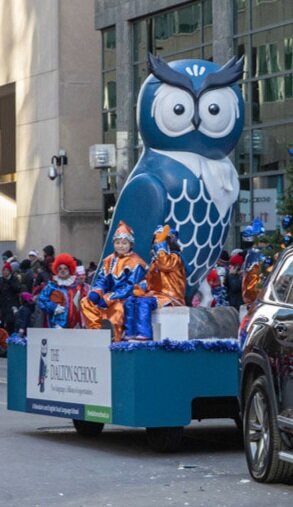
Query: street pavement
[(45, 463)]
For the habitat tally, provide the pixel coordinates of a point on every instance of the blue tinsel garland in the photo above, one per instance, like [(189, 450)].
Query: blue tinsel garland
[(213, 344), (216, 344), (16, 339)]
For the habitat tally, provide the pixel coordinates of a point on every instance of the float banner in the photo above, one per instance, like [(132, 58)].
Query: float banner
[(69, 373)]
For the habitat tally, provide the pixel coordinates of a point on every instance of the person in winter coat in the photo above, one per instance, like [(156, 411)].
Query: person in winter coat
[(24, 315), (9, 297), (25, 276), (45, 273), (114, 282), (233, 281), (60, 298)]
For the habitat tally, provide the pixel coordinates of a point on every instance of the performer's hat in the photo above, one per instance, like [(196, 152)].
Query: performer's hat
[(123, 231)]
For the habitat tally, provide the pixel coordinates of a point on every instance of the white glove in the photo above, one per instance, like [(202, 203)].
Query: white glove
[(59, 309)]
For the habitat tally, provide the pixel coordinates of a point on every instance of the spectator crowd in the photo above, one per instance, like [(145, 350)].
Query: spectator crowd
[(58, 291)]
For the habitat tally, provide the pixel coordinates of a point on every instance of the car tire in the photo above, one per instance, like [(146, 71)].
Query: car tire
[(262, 441), (87, 428), (167, 439)]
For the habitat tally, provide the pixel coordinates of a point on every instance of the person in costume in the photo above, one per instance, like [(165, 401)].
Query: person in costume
[(252, 276), (114, 282), (164, 285), (60, 298)]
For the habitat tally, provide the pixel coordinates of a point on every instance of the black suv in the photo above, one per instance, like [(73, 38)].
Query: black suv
[(267, 378)]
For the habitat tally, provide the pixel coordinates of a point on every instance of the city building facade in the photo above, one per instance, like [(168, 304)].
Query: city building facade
[(261, 30), (49, 106)]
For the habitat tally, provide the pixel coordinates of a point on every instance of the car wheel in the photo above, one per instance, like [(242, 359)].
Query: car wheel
[(165, 439), (262, 441), (87, 428)]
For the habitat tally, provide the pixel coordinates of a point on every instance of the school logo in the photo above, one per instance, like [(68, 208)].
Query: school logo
[(43, 365)]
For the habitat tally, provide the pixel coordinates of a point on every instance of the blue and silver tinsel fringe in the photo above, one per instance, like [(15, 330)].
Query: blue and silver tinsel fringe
[(214, 344), (16, 339)]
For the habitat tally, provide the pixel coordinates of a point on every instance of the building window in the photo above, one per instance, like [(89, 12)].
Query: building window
[(109, 177), (263, 33), (7, 164)]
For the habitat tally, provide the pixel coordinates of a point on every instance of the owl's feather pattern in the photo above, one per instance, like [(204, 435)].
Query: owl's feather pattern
[(202, 243)]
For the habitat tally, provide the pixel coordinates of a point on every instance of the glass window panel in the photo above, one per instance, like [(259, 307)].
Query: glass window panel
[(177, 30), (243, 49), (191, 53), (240, 7), (109, 90), (273, 50), (109, 127), (288, 57), (140, 73), (267, 12), (244, 203), (269, 147), (140, 44), (266, 192), (242, 154), (269, 100), (208, 53), (109, 49), (207, 13)]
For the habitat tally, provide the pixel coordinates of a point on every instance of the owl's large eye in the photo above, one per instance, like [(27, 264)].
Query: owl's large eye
[(218, 111), (173, 110)]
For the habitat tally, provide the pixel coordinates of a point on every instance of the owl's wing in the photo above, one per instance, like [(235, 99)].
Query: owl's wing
[(142, 205)]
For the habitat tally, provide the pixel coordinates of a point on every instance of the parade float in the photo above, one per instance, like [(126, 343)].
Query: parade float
[(190, 117)]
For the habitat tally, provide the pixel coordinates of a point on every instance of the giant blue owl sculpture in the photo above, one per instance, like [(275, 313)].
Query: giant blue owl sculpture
[(190, 116)]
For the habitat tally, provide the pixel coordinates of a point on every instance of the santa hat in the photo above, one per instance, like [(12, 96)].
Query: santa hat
[(7, 266), (123, 231), (64, 258), (236, 260)]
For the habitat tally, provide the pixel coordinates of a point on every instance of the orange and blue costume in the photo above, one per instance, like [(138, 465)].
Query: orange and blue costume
[(112, 285), (164, 285)]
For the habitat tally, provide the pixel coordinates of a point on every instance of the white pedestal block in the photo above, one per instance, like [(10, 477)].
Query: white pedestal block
[(171, 322)]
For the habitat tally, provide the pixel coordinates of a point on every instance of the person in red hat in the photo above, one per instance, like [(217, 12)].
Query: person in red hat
[(234, 281), (9, 297), (115, 280), (60, 298)]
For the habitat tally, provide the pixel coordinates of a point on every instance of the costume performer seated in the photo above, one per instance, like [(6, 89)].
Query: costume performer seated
[(164, 285), (114, 282), (60, 298)]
